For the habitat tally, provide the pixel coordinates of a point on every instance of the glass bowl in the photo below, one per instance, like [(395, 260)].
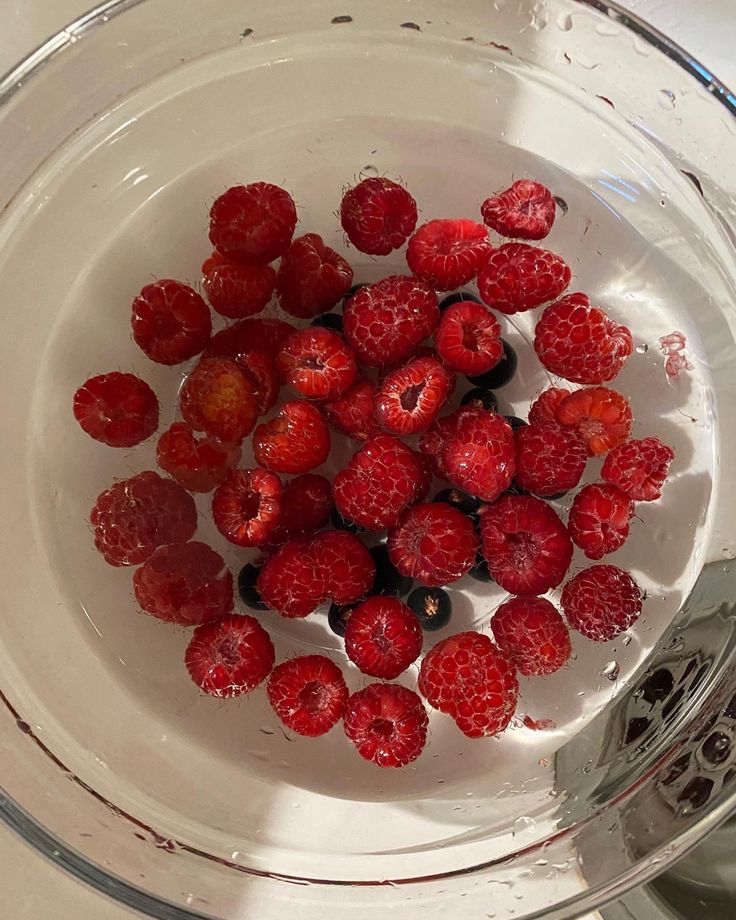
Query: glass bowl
[(117, 135)]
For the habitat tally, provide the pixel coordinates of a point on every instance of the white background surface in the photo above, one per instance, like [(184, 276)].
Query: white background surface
[(31, 888)]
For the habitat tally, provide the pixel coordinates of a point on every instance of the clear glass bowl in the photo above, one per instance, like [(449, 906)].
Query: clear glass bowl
[(116, 136)]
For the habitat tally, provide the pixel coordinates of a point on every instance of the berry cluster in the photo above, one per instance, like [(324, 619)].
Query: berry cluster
[(381, 369)]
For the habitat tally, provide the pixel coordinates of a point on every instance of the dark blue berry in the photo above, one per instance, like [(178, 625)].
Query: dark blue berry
[(338, 617), (458, 297), (328, 321), (247, 587), (480, 570), (515, 422), (480, 398), (389, 580), (433, 607), (456, 498), (502, 373)]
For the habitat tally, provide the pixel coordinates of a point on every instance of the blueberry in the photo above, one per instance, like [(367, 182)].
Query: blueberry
[(458, 297), (502, 373), (456, 498), (481, 399), (480, 570), (433, 607), (341, 523), (247, 587), (338, 617), (515, 422), (329, 321), (389, 580)]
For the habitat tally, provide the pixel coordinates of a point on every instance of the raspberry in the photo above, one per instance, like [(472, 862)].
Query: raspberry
[(257, 333), (308, 694), (260, 370), (433, 441), (433, 543), (234, 290), (383, 637), (135, 516), (526, 545), (308, 570), (171, 322), (426, 476), (410, 398), (312, 278), (479, 454), (352, 413), (639, 468), (385, 322), (601, 417), (543, 411), (601, 602), (306, 503), (382, 479), (468, 338), (532, 633), (247, 505), (448, 253), (229, 656), (197, 464), (579, 342), (217, 398), (525, 211), (119, 410), (470, 679), (599, 519), (549, 459), (253, 224), (378, 215), (317, 363), (387, 724), (184, 583), (518, 277), (296, 441)]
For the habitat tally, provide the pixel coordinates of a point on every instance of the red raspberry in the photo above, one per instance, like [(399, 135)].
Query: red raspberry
[(253, 224), (229, 656), (543, 411), (601, 602), (433, 543), (378, 215), (257, 333), (383, 637), (184, 583), (387, 724), (479, 454), (171, 322), (352, 413), (410, 398), (526, 545), (525, 211), (426, 476), (119, 410), (296, 441), (385, 322), (217, 398), (468, 338), (246, 507), (308, 694), (197, 464), (306, 503), (317, 363), (260, 370), (599, 519), (518, 277), (234, 290), (639, 468), (601, 417), (470, 679), (433, 441), (550, 459), (308, 570), (448, 253), (312, 278), (381, 480), (532, 633), (579, 342), (135, 516)]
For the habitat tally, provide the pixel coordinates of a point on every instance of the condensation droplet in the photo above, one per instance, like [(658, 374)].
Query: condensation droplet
[(641, 350), (539, 18), (588, 766), (368, 172), (626, 640), (522, 824), (542, 862), (667, 99), (641, 47), (612, 670), (607, 30), (564, 22)]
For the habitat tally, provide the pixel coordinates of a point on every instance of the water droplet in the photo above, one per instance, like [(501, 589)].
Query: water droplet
[(641, 47), (589, 63), (667, 99), (539, 18), (564, 22), (457, 808), (641, 350), (542, 862), (607, 30), (663, 200), (612, 670), (522, 824), (588, 767), (369, 171), (626, 640)]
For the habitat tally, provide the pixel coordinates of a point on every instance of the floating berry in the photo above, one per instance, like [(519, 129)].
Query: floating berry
[(312, 277), (171, 323), (117, 409), (432, 607), (378, 215), (253, 224)]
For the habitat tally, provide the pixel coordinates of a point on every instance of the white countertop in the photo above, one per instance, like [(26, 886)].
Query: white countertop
[(32, 888)]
